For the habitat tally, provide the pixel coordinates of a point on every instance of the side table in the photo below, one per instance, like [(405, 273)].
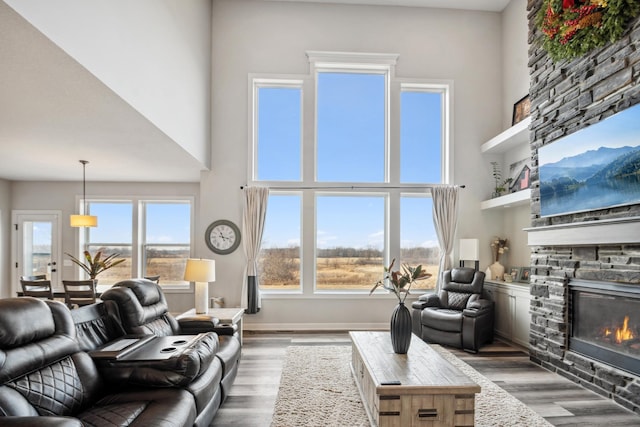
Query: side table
[(225, 315)]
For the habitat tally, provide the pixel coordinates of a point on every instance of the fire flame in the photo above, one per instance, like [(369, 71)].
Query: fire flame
[(621, 334), (625, 333)]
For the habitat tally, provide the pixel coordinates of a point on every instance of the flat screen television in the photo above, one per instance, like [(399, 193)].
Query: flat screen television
[(593, 168)]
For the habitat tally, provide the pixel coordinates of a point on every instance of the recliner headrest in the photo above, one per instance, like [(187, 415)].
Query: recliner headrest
[(462, 275), (24, 320), (464, 280), (33, 335), (146, 291)]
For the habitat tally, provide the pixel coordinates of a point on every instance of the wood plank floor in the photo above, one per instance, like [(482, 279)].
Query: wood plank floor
[(558, 400)]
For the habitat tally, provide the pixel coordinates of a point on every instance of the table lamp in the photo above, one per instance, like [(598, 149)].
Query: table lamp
[(470, 251), (200, 271)]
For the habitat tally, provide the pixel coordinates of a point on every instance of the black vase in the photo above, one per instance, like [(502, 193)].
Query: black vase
[(401, 329)]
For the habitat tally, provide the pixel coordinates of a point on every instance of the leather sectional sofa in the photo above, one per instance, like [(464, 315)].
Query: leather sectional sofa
[(53, 372)]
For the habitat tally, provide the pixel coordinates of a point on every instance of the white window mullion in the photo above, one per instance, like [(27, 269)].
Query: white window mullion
[(136, 256)]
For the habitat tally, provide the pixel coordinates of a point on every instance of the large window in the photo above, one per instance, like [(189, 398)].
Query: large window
[(153, 236), (352, 193)]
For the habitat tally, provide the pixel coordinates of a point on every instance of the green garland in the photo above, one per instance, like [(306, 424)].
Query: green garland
[(571, 28)]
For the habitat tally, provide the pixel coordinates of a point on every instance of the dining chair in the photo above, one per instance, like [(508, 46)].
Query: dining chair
[(34, 278), (38, 288), (79, 292), (155, 279)]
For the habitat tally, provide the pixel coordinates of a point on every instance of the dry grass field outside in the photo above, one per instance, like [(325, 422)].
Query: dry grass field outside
[(335, 273)]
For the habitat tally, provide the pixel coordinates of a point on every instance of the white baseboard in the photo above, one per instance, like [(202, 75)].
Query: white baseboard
[(315, 326)]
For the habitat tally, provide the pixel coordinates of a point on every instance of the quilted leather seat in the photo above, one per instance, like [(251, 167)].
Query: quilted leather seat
[(46, 380), (457, 315), (143, 309)]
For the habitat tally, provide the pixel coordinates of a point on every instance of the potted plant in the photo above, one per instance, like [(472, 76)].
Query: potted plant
[(96, 264), (400, 282), (500, 186)]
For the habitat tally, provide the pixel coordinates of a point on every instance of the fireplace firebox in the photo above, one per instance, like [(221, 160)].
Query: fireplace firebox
[(605, 323)]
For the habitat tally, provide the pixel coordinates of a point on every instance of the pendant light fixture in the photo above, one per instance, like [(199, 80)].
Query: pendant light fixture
[(83, 220)]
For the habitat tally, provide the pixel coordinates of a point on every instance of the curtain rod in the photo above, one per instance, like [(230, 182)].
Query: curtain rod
[(359, 187)]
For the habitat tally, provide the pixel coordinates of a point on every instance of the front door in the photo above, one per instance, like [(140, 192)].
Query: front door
[(36, 243)]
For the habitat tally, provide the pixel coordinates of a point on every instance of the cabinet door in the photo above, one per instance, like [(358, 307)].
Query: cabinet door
[(521, 323), (503, 320)]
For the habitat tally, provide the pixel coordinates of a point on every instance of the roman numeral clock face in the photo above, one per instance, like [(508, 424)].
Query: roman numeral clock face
[(222, 237)]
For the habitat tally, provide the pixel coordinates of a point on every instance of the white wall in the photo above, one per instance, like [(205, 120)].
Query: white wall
[(272, 37), (5, 237), (155, 54), (515, 57), (515, 30)]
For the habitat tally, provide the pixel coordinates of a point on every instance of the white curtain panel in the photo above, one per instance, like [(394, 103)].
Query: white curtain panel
[(254, 214), (445, 219)]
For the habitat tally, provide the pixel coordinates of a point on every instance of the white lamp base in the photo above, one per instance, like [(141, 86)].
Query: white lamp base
[(202, 296)]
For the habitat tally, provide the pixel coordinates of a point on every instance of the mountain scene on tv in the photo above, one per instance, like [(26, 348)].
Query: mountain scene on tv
[(586, 178)]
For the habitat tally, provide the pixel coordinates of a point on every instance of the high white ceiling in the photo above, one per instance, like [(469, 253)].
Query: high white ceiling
[(53, 112)]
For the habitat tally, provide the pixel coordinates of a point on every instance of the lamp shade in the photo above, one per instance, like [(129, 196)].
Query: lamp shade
[(83, 221), (200, 270), (470, 249)]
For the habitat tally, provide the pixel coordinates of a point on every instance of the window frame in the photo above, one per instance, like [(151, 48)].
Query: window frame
[(138, 230), (392, 189)]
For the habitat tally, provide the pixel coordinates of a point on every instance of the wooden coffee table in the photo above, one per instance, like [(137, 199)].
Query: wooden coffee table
[(431, 392)]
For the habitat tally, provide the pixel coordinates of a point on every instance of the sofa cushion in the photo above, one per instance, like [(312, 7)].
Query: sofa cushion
[(36, 334), (458, 300), (97, 324), (442, 319), (157, 408), (143, 308), (14, 331)]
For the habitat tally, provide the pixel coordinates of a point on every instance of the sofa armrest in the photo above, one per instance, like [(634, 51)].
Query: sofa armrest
[(478, 308), (426, 300), (41, 421), (200, 323)]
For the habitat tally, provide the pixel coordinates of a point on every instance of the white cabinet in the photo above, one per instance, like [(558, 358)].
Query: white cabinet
[(512, 318), (511, 139)]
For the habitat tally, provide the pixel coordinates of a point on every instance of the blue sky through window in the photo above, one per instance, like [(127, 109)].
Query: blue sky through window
[(420, 137), (279, 133), (351, 127), (115, 222)]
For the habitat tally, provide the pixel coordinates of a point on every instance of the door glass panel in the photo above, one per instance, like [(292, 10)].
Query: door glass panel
[(36, 248)]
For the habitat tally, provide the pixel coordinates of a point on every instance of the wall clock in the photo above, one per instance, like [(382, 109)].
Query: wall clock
[(222, 237)]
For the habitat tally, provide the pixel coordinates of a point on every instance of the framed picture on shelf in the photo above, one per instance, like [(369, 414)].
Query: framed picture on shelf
[(525, 273), (521, 110), (515, 273), (520, 175)]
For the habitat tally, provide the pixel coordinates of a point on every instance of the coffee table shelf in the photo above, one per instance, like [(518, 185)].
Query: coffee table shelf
[(431, 392)]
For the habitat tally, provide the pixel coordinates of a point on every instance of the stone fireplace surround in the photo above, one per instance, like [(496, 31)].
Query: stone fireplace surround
[(601, 245)]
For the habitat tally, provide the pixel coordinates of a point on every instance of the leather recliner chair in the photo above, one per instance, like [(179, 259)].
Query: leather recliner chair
[(45, 380), (457, 315), (143, 309)]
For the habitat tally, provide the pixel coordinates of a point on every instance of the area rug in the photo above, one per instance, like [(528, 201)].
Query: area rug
[(317, 389)]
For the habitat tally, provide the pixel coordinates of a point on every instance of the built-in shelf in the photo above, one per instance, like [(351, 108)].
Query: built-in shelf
[(522, 197), (510, 138)]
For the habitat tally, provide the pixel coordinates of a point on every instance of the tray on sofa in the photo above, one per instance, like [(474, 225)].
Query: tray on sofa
[(121, 347)]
